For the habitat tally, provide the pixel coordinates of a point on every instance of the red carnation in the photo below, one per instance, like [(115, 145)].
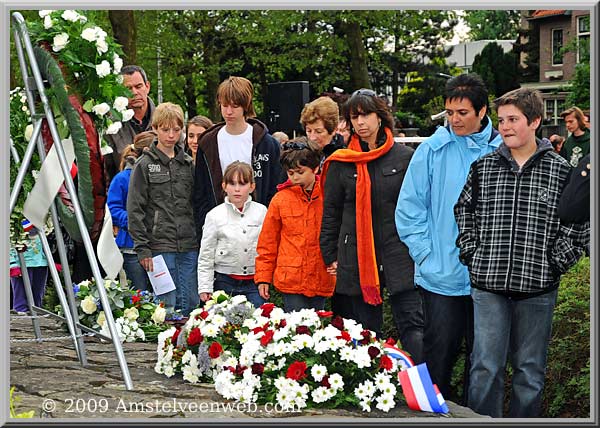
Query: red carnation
[(324, 314), (296, 371), (385, 362), (204, 315), (239, 370), (302, 329), (214, 350), (282, 324), (267, 337), (267, 308), (390, 341), (175, 336), (373, 352), (195, 337), (325, 381), (345, 335), (338, 322), (258, 368), (135, 299)]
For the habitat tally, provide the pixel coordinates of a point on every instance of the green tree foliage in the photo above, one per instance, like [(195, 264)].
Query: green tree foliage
[(580, 87), (492, 24), (497, 68)]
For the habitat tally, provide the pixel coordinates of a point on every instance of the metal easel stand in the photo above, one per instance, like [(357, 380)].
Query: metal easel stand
[(35, 86)]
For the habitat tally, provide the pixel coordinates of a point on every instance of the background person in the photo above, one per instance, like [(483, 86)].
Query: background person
[(320, 121), (195, 128), (117, 204), (358, 239), (577, 144)]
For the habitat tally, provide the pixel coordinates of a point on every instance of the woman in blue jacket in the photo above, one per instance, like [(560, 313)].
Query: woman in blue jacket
[(117, 204)]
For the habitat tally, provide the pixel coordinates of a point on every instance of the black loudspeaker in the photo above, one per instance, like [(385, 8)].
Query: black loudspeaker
[(285, 101)]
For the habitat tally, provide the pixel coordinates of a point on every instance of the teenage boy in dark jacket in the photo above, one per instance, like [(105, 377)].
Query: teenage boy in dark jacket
[(516, 248), (240, 137)]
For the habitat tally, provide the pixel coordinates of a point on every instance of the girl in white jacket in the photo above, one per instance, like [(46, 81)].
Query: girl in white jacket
[(229, 237)]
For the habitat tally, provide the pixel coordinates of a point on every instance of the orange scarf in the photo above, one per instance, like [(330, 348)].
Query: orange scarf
[(365, 243)]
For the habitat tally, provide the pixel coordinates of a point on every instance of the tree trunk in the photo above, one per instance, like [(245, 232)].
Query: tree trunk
[(125, 32), (359, 72)]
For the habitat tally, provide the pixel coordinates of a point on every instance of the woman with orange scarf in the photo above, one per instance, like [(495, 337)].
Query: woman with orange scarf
[(358, 237)]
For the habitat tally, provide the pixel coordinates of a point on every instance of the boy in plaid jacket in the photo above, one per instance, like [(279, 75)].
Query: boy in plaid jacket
[(516, 248)]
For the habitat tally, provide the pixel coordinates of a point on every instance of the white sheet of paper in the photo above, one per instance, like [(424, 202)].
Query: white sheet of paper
[(160, 277)]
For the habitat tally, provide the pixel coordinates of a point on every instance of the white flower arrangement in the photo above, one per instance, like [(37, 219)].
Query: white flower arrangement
[(127, 329), (297, 360)]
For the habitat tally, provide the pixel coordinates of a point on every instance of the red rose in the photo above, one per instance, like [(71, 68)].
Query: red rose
[(214, 350), (373, 352), (204, 315), (195, 337), (267, 337), (324, 314), (366, 334), (258, 368), (296, 370), (282, 324), (385, 362), (338, 322), (267, 308), (302, 329), (325, 381), (135, 299), (239, 370), (175, 336)]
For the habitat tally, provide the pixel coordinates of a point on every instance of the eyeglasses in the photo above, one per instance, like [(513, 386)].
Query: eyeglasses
[(367, 92), (294, 146)]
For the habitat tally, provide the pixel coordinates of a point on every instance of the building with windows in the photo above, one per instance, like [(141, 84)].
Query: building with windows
[(563, 41)]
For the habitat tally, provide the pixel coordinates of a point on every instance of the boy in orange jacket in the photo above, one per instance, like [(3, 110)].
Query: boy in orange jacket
[(289, 255)]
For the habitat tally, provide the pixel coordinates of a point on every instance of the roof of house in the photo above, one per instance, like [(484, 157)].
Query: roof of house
[(546, 13)]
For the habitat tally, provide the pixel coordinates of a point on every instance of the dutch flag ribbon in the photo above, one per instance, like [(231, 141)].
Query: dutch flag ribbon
[(402, 358), (420, 392), (27, 225)]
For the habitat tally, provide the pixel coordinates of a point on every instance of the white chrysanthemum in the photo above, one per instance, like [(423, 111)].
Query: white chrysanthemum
[(209, 330), (385, 402), (236, 300), (388, 389), (114, 128), (346, 354), (169, 371), (60, 41), (336, 381), (281, 333), (321, 394), (361, 357), (318, 371), (103, 69), (219, 320), (365, 405)]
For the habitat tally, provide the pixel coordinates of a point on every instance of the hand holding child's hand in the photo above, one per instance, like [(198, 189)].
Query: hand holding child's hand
[(263, 290)]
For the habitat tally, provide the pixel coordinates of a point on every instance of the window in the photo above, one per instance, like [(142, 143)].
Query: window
[(583, 38), (553, 110), (557, 44)]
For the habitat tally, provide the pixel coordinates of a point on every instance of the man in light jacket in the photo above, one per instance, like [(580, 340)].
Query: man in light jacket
[(425, 223)]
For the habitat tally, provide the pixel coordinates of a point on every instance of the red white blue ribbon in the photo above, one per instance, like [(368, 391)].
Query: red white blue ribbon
[(402, 358), (27, 225), (420, 392)]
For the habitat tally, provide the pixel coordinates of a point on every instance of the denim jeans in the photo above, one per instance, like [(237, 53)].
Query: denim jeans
[(235, 287), (407, 310), (295, 302), (183, 268), (37, 277), (518, 330), (448, 320), (135, 273)]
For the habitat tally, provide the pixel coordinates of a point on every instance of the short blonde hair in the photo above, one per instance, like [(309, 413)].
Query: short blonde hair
[(167, 114), (239, 91), (323, 108)]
